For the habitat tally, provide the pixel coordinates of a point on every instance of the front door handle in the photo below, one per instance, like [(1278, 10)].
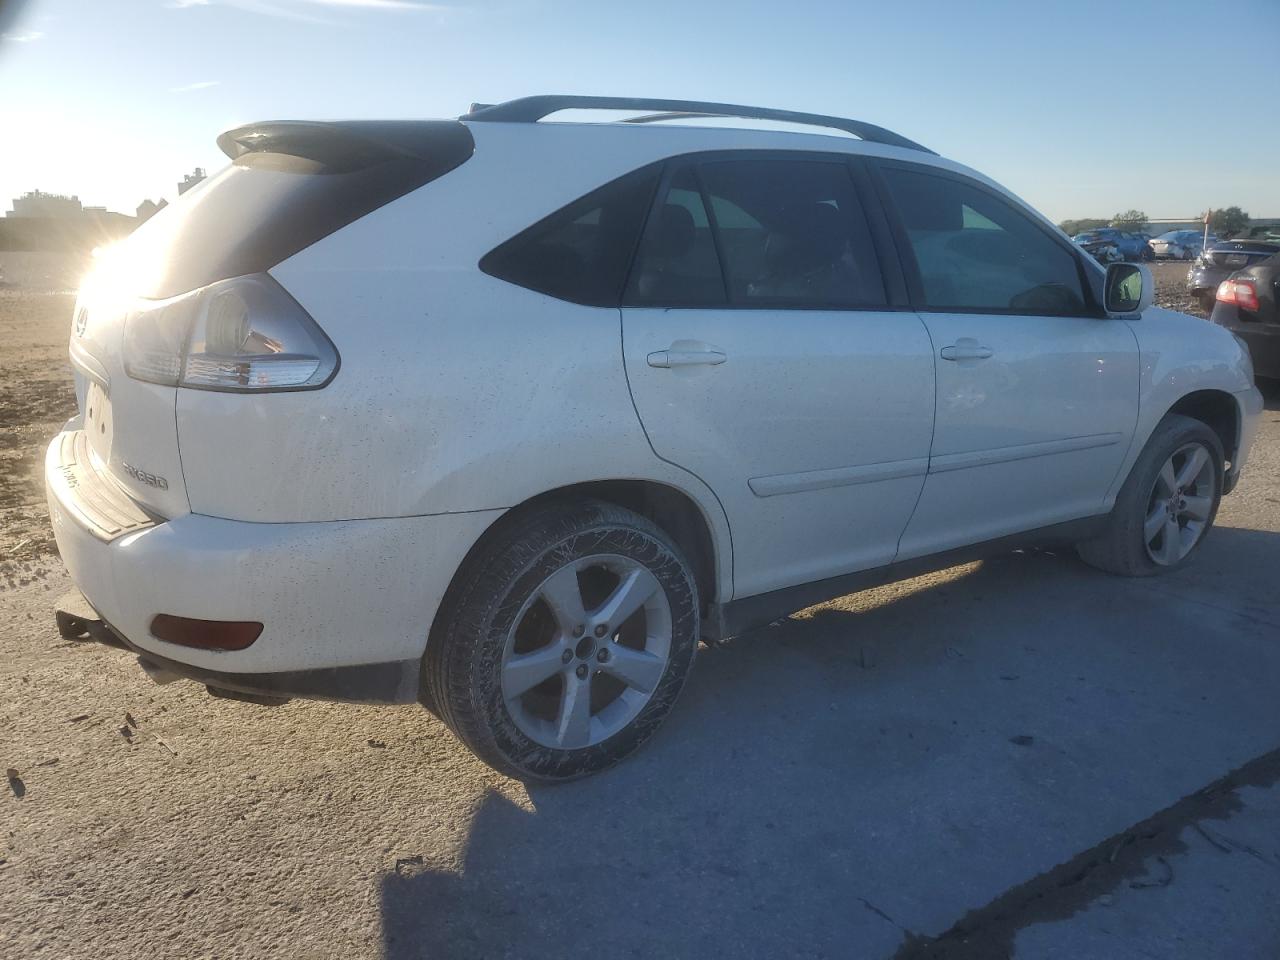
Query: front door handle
[(966, 348), (674, 357)]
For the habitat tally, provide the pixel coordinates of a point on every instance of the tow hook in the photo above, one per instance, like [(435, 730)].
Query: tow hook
[(75, 625)]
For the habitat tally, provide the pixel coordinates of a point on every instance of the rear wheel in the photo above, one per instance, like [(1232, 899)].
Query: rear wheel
[(566, 642), (1166, 506), (1207, 299)]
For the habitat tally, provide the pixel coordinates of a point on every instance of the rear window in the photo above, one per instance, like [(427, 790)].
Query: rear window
[(1245, 246), (581, 252), (293, 186)]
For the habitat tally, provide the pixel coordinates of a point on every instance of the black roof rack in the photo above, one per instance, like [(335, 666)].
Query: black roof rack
[(533, 109)]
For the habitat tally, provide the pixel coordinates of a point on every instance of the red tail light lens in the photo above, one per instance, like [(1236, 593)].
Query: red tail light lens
[(205, 634), (1242, 293)]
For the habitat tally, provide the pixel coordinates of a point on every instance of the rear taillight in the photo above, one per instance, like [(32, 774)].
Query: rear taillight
[(239, 335), (1242, 293)]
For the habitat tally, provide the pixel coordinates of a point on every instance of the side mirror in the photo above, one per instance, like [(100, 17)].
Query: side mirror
[(1129, 288)]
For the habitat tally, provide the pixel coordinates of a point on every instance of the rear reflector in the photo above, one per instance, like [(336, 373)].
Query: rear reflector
[(1240, 292), (206, 634)]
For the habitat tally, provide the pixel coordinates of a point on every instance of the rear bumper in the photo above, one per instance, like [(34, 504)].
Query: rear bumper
[(345, 604), (394, 682), (1204, 279)]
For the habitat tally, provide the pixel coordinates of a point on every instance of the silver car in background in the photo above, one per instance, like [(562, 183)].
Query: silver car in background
[(1178, 245)]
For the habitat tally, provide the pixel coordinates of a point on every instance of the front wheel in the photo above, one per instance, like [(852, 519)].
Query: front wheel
[(1166, 506), (565, 641)]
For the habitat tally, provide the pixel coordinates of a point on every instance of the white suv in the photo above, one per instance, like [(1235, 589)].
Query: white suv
[(505, 416)]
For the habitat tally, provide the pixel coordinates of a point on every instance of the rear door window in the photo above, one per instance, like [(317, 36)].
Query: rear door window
[(759, 232), (678, 265), (792, 233), (977, 252)]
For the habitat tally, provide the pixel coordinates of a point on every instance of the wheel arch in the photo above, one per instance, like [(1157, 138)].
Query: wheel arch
[(677, 512), (672, 509), (1216, 409)]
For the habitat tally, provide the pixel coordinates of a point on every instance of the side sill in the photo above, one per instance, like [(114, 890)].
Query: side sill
[(749, 613)]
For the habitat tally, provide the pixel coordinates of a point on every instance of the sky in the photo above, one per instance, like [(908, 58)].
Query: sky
[(1082, 107)]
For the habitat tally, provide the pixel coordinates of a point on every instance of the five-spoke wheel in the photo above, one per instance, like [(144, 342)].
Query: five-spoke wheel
[(564, 640), (1182, 502), (1167, 504), (586, 652)]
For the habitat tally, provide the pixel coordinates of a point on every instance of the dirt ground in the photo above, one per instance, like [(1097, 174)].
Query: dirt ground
[(1016, 758), (36, 398)]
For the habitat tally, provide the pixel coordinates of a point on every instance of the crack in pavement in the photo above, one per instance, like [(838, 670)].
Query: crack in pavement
[(1057, 894), (884, 916)]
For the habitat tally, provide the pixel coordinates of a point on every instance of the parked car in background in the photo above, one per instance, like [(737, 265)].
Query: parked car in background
[(1179, 244), (1219, 260), (1246, 305), (1102, 248), (1126, 246)]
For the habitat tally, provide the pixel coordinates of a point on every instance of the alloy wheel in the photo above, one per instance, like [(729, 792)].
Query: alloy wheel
[(1180, 505), (586, 652)]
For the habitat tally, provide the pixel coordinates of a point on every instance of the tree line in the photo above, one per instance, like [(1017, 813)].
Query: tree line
[(1225, 223)]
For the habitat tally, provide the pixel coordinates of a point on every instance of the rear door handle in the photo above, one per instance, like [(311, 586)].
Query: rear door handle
[(686, 358), (966, 348)]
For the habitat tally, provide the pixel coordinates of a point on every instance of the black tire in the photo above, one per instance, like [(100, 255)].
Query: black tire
[(1123, 548), (1207, 300), (494, 597)]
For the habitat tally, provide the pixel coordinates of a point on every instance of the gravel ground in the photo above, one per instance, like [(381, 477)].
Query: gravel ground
[(36, 398), (897, 773)]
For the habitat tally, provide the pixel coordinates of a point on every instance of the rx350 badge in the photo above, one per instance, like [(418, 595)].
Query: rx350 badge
[(150, 479)]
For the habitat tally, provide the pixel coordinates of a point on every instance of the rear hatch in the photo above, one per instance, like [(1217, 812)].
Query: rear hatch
[(1238, 254), (288, 185)]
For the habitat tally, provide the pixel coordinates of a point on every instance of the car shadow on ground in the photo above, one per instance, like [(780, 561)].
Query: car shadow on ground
[(876, 768)]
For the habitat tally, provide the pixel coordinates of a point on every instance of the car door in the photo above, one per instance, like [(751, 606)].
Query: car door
[(764, 356), (1037, 390)]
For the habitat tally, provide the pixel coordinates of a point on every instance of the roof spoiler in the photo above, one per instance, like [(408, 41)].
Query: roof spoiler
[(344, 145)]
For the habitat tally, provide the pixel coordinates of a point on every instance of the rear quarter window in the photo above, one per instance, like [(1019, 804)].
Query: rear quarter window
[(580, 253)]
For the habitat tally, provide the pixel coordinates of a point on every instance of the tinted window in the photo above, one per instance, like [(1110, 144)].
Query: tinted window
[(581, 252), (975, 251), (792, 233), (678, 265), (297, 184)]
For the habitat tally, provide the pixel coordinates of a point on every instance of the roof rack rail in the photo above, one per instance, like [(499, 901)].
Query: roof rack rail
[(533, 109)]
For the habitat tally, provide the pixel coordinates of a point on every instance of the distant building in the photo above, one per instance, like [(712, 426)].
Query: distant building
[(149, 208), (37, 203), (190, 180)]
